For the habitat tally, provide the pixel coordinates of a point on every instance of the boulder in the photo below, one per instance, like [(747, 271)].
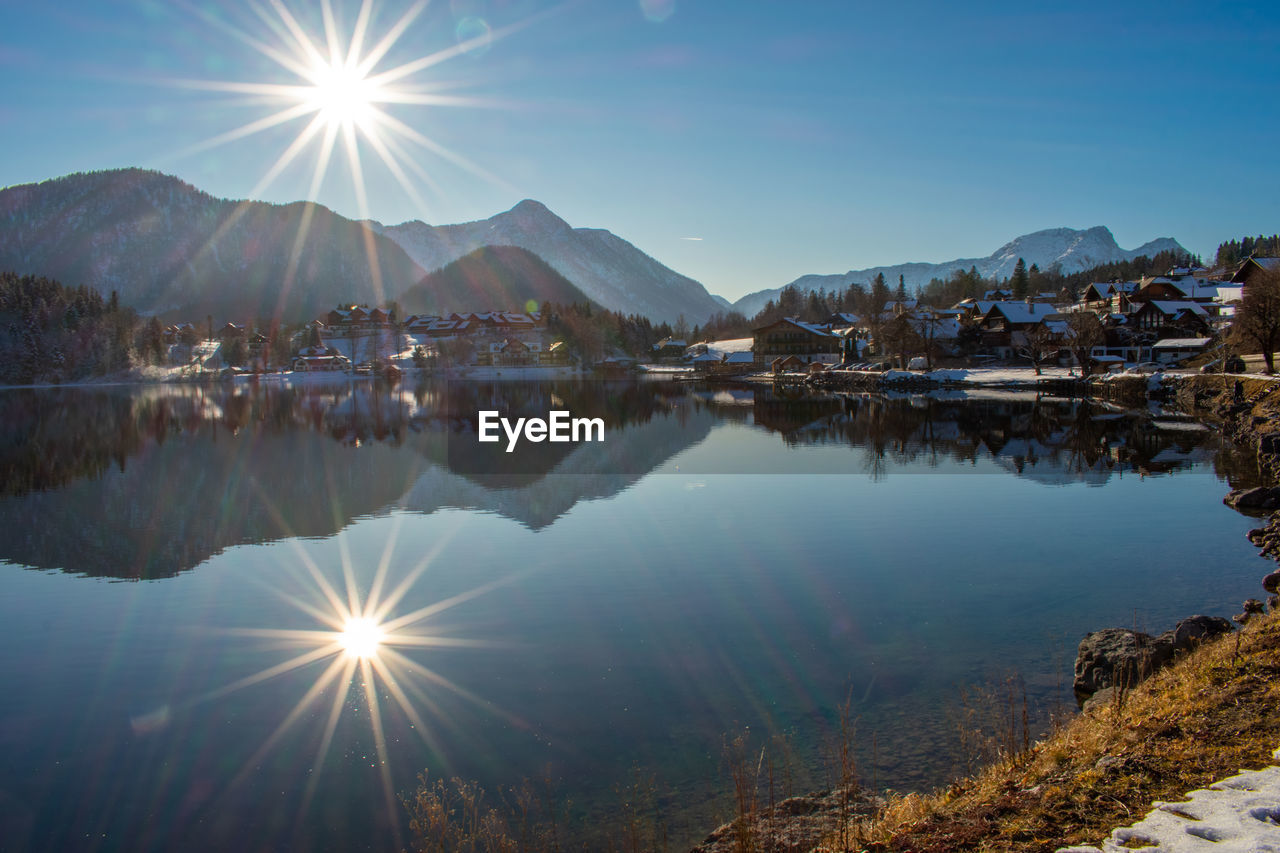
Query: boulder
[(1120, 657), (1271, 583), (1259, 498), (1114, 657), (1195, 629)]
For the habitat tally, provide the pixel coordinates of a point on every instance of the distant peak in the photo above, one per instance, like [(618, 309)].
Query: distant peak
[(531, 213), (530, 205)]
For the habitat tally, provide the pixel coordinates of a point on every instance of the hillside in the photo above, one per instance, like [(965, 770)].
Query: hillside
[(491, 278), (608, 269), (167, 248)]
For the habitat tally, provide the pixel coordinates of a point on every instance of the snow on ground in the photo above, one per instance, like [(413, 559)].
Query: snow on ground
[(719, 348), (986, 375), (1240, 813)]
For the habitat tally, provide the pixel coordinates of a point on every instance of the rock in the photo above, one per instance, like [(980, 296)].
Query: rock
[(1271, 583), (1119, 657), (1195, 629), (1113, 656), (1258, 535), (1253, 606), (1259, 498), (1101, 699)]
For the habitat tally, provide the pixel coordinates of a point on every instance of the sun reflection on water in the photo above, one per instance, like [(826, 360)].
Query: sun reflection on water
[(365, 650)]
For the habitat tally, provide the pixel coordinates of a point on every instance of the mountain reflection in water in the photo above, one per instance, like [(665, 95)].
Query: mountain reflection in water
[(581, 611), (148, 483)]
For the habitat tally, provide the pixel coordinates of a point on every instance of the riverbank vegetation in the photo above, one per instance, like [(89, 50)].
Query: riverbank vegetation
[(1211, 714)]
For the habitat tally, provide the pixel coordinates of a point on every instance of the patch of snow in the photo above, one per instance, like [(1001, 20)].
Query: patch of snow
[(1240, 813)]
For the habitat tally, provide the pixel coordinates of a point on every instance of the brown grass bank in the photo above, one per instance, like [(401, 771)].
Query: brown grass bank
[(1206, 717)]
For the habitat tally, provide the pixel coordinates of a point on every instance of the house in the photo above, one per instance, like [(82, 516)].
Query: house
[(790, 337), (1176, 349), (669, 348), (355, 321), (231, 331), (1006, 325), (419, 324), (311, 359), (1254, 268), (788, 364), (259, 351), (1168, 318)]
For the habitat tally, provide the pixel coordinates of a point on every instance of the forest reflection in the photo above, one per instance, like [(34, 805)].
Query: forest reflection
[(146, 482)]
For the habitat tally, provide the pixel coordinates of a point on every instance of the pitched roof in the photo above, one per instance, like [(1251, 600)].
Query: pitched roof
[(1022, 312), (1181, 343), (1172, 308), (808, 327)]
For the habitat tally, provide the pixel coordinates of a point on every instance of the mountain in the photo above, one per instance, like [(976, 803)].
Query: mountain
[(1065, 248), (167, 248), (492, 278), (605, 267)]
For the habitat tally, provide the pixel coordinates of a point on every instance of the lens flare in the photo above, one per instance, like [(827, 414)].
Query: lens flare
[(335, 84), (361, 638)]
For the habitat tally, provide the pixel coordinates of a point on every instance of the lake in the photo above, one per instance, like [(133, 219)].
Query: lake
[(176, 564)]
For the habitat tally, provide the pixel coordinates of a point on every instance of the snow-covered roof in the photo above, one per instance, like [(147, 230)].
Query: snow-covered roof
[(730, 345), (1172, 308), (1023, 312), (906, 304), (1181, 343), (808, 327), (740, 357), (1229, 293), (981, 306)]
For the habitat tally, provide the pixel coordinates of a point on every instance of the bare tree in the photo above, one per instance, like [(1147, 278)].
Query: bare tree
[(1257, 322), (1084, 332), (900, 337), (1040, 344)]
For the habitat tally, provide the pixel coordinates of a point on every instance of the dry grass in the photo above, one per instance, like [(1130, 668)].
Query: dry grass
[(1206, 717)]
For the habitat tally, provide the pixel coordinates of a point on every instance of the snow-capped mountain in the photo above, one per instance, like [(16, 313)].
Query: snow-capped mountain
[(605, 267), (1067, 249)]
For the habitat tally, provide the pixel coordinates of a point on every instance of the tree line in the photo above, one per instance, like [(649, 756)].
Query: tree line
[(49, 332)]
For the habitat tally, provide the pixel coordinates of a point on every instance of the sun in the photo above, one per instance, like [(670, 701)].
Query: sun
[(335, 82), (360, 638), (343, 95)]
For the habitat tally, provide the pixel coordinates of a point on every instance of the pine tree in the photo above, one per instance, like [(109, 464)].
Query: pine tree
[(1020, 283)]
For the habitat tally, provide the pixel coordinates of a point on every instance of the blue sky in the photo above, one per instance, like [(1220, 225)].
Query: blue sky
[(789, 137)]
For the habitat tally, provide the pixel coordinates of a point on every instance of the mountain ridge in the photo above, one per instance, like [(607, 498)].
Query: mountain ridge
[(1070, 249), (607, 268)]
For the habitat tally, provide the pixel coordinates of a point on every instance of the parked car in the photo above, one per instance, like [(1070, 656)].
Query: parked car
[(1147, 367), (1235, 364)]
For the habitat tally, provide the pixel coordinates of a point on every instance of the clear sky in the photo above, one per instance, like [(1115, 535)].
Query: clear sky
[(788, 137)]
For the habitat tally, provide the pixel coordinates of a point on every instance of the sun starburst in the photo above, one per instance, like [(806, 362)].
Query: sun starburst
[(344, 97), (366, 651)]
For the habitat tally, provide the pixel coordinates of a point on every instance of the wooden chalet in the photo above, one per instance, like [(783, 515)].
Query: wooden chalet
[(1254, 268), (1167, 318), (790, 337)]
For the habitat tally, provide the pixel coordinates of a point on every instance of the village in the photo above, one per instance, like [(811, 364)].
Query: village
[(1140, 326)]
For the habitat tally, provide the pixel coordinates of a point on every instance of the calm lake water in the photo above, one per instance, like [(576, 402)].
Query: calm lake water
[(171, 560)]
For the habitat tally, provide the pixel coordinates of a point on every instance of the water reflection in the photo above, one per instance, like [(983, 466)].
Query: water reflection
[(146, 484), (637, 630)]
